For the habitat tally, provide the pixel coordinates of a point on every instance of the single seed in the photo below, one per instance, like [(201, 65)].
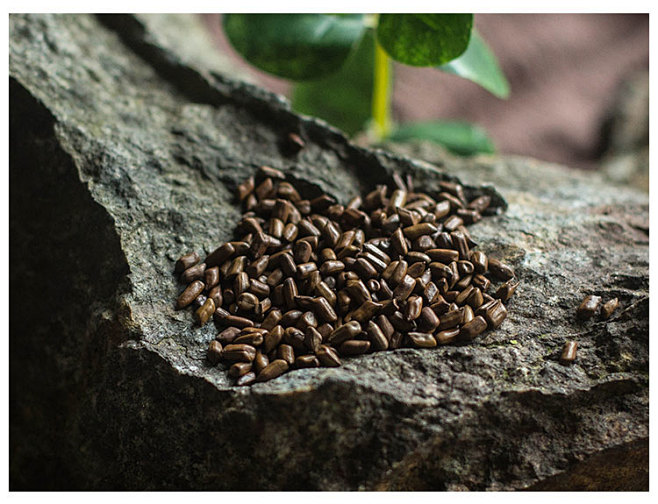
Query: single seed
[(260, 361), (246, 379), (399, 273), (480, 261), (467, 314), (404, 288), (424, 228), (190, 293), (480, 204), (295, 338), (413, 308), (239, 353), (186, 261), (505, 291), (450, 319), (324, 310), (245, 188), (608, 308), (291, 317), (588, 306), (328, 356), (228, 335), (471, 329), (354, 347), (274, 278), (247, 301), (236, 321), (495, 314), (447, 336), (377, 338), (569, 352), (344, 332), (307, 361), (312, 339), (396, 340), (290, 232), (289, 292), (193, 273), (398, 199), (203, 313), (259, 288), (286, 353), (399, 242), (272, 339), (240, 283), (481, 282), (272, 370), (237, 266), (500, 270), (304, 270), (239, 369), (422, 340), (460, 244), (214, 354), (365, 312), (428, 320)]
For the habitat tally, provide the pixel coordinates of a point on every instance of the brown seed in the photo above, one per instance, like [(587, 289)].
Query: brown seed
[(377, 338), (608, 308), (480, 261), (237, 266), (401, 323), (303, 251), (408, 217), (203, 313), (236, 321), (468, 216), (413, 307), (588, 306), (465, 268), (365, 268), (398, 199), (290, 292), (272, 319), (428, 320), (475, 298), (447, 336), (332, 267), (260, 361), (272, 339), (399, 242), (414, 257), (442, 209), (495, 314), (240, 283), (190, 293), (275, 228), (304, 270), (480, 204), (214, 354), (295, 338), (445, 256), (291, 317), (239, 369), (220, 255), (461, 244), (354, 347), (312, 339), (450, 319), (266, 171), (385, 325), (505, 291), (399, 273), (345, 240), (364, 312), (440, 305), (228, 335), (481, 282), (239, 353), (422, 340), (344, 332), (569, 352), (247, 301), (404, 288), (290, 232), (384, 292), (471, 329), (452, 223), (324, 310), (193, 273), (306, 361), (246, 379), (343, 301), (288, 265), (328, 356), (306, 228), (424, 228), (272, 370), (500, 270), (287, 353), (307, 319), (396, 340), (467, 314), (245, 188), (186, 261), (259, 288), (375, 261)]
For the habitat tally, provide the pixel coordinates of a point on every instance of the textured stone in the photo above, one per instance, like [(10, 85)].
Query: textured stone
[(125, 155)]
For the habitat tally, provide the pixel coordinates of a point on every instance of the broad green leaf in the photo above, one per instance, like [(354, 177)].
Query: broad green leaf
[(344, 98), (294, 46), (458, 137), (479, 64), (424, 39)]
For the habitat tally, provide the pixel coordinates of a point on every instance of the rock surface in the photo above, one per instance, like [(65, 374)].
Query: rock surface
[(125, 154)]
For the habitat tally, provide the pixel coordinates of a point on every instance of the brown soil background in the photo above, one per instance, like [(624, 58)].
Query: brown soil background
[(565, 71)]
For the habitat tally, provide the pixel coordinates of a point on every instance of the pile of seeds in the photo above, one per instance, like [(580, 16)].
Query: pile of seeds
[(311, 281)]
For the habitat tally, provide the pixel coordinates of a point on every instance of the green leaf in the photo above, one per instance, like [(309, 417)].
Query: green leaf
[(479, 64), (344, 98), (424, 39), (294, 46), (458, 137)]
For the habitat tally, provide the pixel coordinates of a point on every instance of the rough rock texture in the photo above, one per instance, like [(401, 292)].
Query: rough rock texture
[(125, 154)]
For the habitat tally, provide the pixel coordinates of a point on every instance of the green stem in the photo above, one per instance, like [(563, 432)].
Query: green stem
[(381, 96)]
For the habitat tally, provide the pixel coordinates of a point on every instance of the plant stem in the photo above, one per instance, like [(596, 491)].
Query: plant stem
[(381, 96)]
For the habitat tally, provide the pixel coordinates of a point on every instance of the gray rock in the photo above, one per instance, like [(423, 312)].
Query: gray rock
[(124, 155)]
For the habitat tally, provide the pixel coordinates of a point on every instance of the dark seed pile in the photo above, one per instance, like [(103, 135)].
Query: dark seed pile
[(310, 281)]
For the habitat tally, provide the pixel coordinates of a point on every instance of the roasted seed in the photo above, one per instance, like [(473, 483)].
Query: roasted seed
[(480, 204), (404, 288), (186, 261), (354, 347), (399, 242), (505, 291), (500, 270), (588, 306), (608, 308), (214, 354), (203, 313), (450, 319), (239, 353), (239, 369), (447, 336), (377, 338), (495, 314), (424, 228), (413, 307), (344, 332), (569, 352), (365, 312), (428, 320), (328, 356), (236, 321), (422, 340), (273, 369), (190, 293), (193, 273), (471, 329)]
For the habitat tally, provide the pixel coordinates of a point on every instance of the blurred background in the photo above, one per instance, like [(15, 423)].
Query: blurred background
[(579, 89)]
